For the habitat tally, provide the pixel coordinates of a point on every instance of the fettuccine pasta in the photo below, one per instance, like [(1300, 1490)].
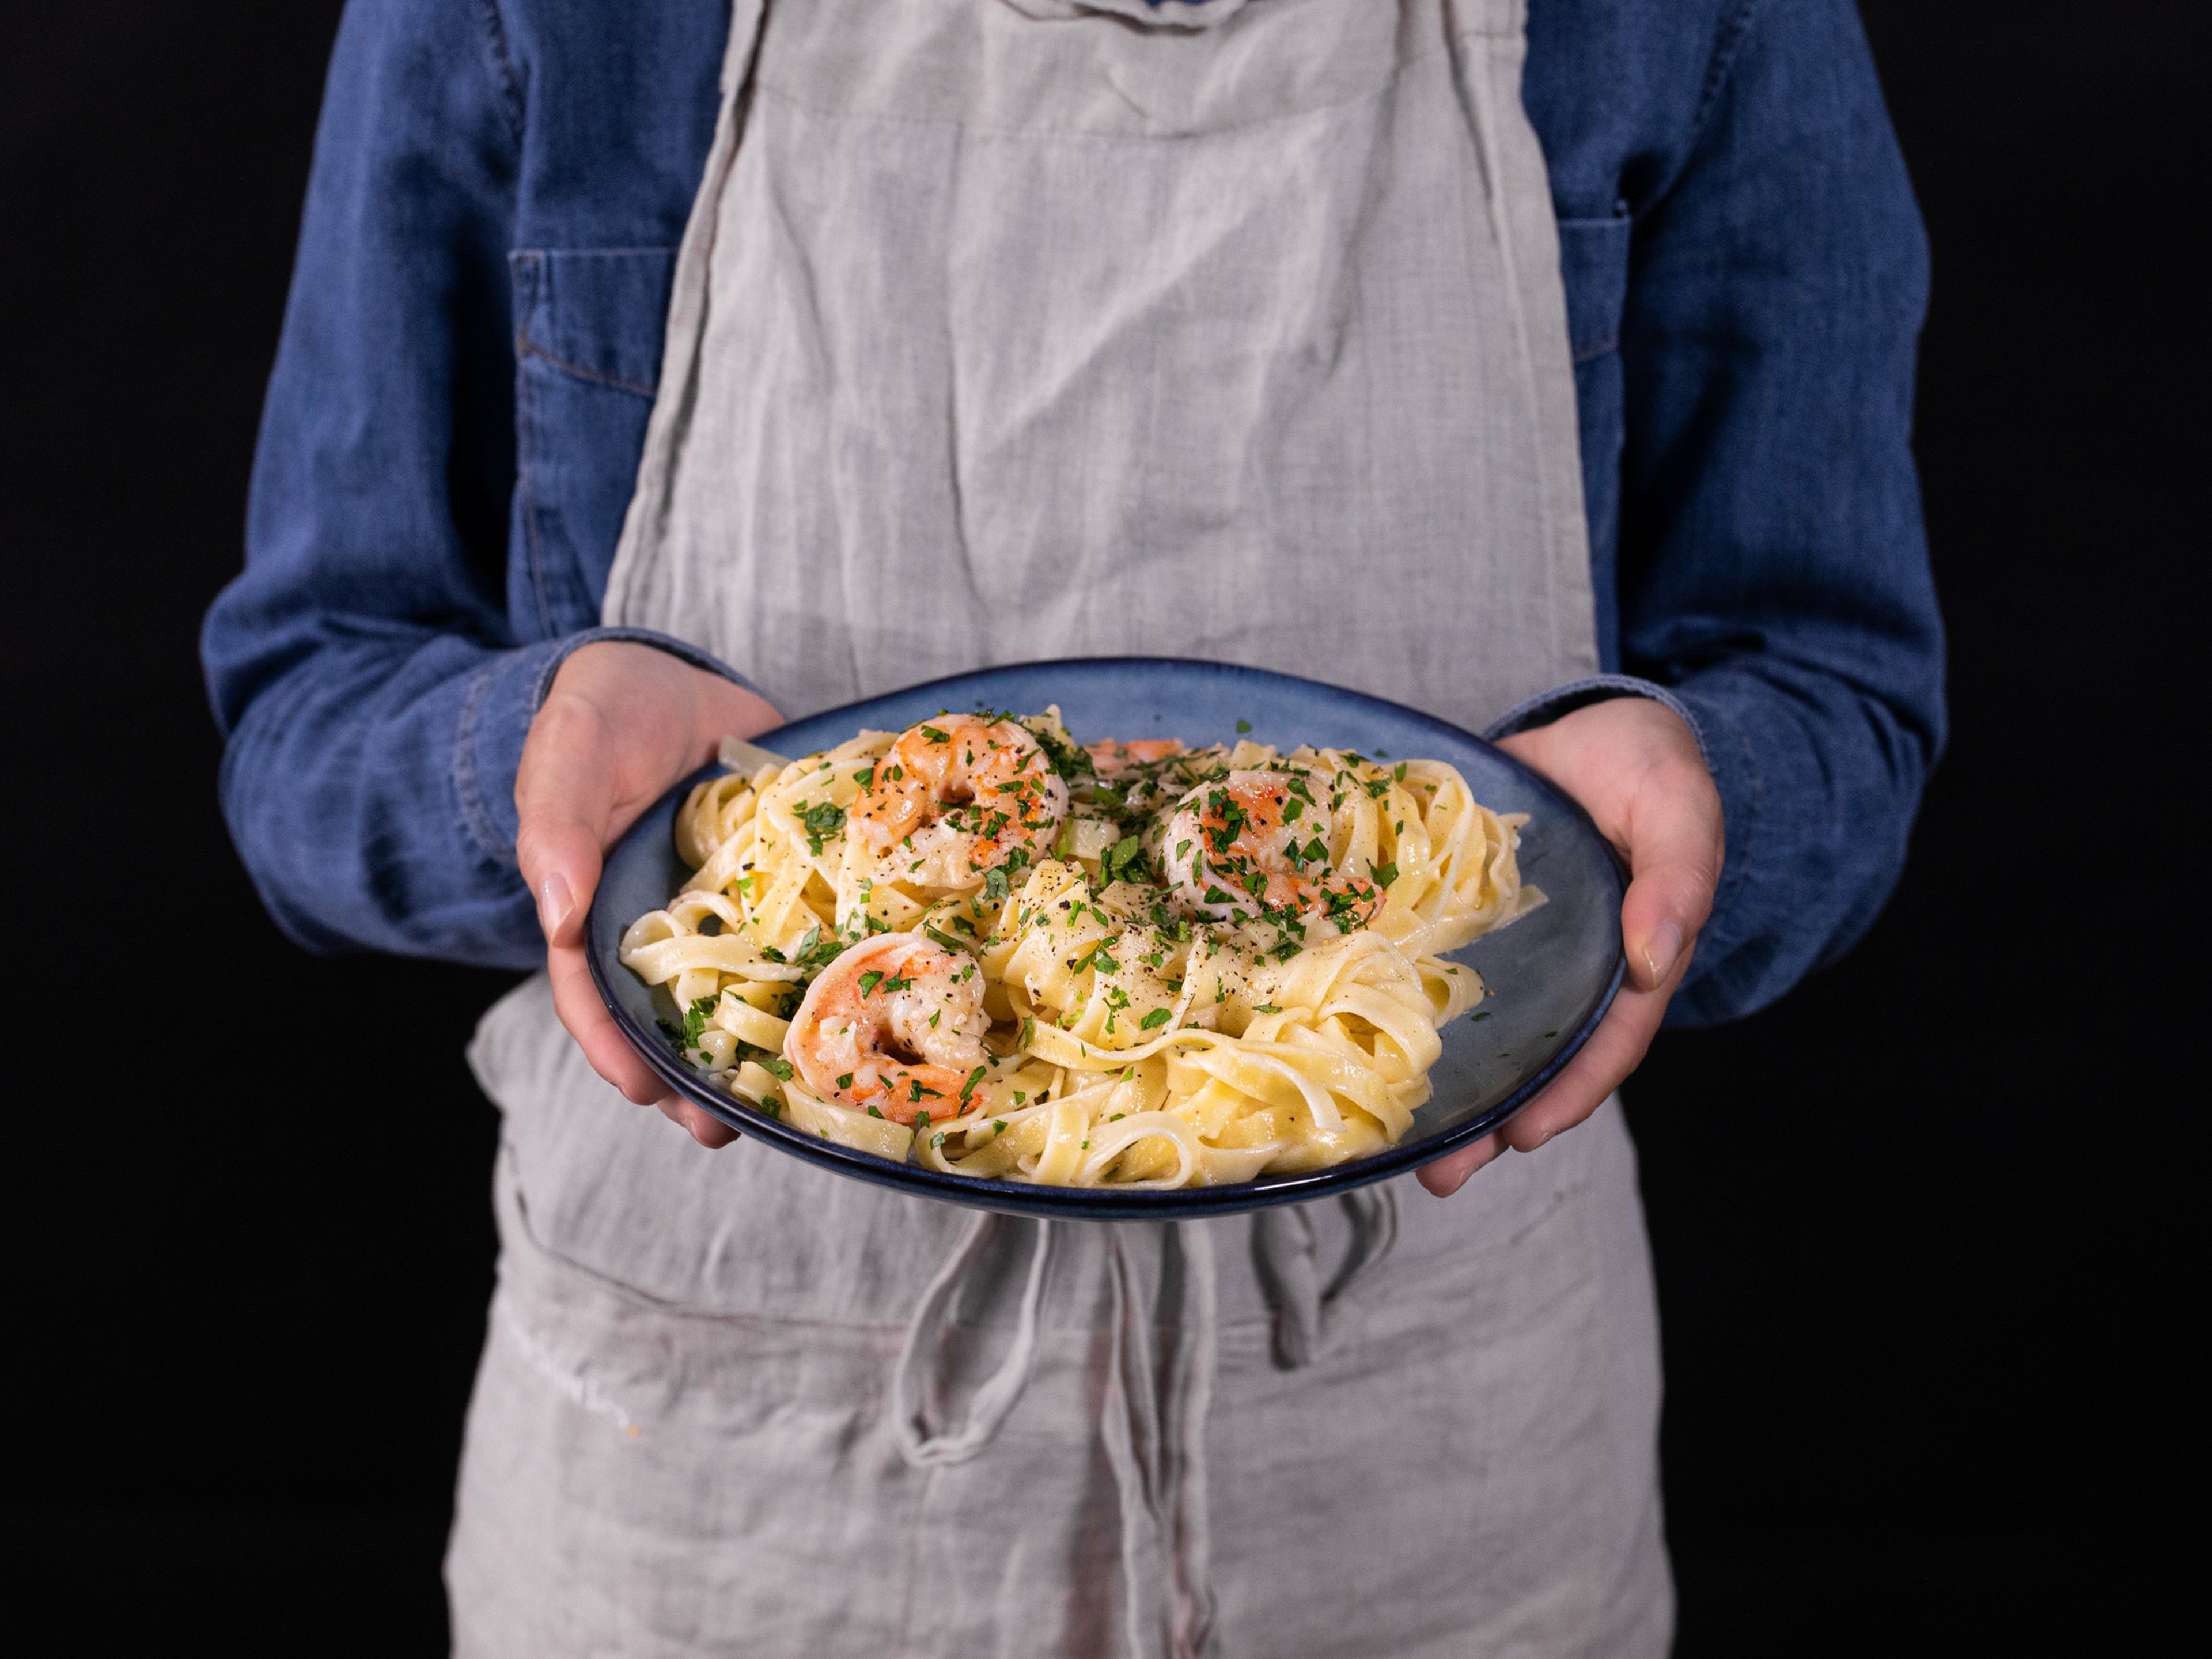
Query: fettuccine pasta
[(978, 945)]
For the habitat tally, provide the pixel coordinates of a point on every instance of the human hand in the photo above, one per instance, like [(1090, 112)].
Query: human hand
[(1634, 766), (623, 723)]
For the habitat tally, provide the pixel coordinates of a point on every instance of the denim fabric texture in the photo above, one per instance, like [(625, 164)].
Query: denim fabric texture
[(473, 338)]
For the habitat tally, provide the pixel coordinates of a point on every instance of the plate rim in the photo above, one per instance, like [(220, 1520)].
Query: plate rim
[(1098, 1203)]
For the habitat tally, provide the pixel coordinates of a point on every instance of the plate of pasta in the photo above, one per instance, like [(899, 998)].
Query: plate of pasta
[(1115, 937)]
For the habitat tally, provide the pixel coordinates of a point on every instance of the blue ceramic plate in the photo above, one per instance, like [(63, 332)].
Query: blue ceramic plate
[(1550, 975)]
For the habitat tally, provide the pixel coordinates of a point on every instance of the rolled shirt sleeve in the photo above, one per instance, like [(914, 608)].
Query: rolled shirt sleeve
[(372, 684), (1772, 569)]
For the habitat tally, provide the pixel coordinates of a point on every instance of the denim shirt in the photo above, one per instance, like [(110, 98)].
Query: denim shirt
[(474, 332)]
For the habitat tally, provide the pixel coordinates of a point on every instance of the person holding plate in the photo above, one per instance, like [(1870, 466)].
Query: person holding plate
[(652, 374)]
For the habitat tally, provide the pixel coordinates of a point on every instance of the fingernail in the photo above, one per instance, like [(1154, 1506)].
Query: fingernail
[(554, 904), (1661, 950)]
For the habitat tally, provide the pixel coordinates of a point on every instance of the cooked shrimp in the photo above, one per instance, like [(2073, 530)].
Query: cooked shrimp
[(894, 1024), (957, 796), (1236, 844), (1114, 759)]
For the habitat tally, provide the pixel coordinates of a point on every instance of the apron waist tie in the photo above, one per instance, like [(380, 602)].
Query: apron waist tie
[(1153, 1424), (1152, 1420), (919, 1444), (1305, 1311)]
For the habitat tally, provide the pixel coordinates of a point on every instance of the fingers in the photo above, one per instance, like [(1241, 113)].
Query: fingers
[(1615, 1049), (564, 799), (1636, 767), (576, 999), (1675, 848), (1600, 1065), (1450, 1173), (622, 723), (705, 1128)]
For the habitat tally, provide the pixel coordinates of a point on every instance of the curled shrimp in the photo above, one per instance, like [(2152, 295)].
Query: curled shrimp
[(1115, 760), (957, 796), (896, 1024), (1257, 838)]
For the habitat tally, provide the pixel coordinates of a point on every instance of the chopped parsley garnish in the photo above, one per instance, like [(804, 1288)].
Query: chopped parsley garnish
[(1156, 1018), (1100, 957), (936, 735), (974, 1078), (872, 1112), (822, 822), (944, 939), (1119, 856), (777, 1067), (845, 1081), (1266, 1008), (1244, 725), (1386, 873), (695, 1023), (870, 980), (814, 951)]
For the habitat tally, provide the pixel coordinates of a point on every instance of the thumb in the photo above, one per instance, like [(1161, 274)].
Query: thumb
[(564, 798), (1674, 849)]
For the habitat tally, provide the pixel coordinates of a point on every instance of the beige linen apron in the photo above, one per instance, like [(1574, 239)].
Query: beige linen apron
[(1005, 329)]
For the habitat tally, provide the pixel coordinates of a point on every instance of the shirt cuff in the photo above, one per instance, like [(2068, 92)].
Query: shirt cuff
[(1547, 706), (503, 698)]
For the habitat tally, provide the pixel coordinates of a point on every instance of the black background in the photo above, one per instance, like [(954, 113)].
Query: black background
[(1923, 1231)]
